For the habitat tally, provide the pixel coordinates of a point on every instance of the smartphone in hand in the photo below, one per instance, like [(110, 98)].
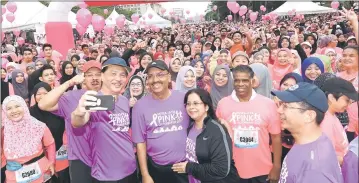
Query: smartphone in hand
[(104, 103)]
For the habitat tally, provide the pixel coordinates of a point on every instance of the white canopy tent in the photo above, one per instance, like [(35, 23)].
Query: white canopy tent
[(156, 19), (303, 7), (27, 16)]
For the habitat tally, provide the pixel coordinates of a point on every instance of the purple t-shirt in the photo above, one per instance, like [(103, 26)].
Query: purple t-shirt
[(162, 124), (312, 162), (350, 165), (112, 149), (78, 146), (191, 149)]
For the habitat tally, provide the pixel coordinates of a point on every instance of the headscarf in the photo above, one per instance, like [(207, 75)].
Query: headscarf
[(181, 77), (77, 68), (173, 74), (41, 60), (20, 89), (200, 83), (277, 71), (55, 123), (8, 75), (157, 54), (64, 76), (265, 82), (326, 62), (218, 92), (292, 75), (31, 65), (127, 92), (22, 138), (307, 62)]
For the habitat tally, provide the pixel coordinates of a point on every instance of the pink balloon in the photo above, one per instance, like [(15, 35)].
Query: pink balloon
[(182, 20), (231, 5), (81, 30), (11, 6), (109, 30), (82, 5), (214, 8), (243, 17), (98, 22), (105, 11), (335, 4), (10, 17), (84, 17), (253, 16), (261, 8), (163, 10), (188, 12), (135, 18), (250, 11), (230, 17), (150, 16), (236, 8), (20, 41), (16, 32), (264, 9), (243, 8), (3, 10)]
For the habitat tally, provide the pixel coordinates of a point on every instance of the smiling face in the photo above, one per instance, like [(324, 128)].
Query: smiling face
[(186, 48), (189, 79), (14, 111), (221, 78), (339, 105), (158, 80), (145, 61), (283, 58), (176, 65), (312, 72), (199, 69), (114, 78), (239, 60), (195, 108), (69, 70), (350, 58), (287, 84), (136, 87), (285, 43), (20, 78), (217, 42), (242, 83)]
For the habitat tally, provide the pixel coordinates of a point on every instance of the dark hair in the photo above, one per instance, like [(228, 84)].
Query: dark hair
[(336, 95), (46, 45), (213, 48), (319, 114), (84, 46), (48, 61), (171, 45), (237, 32), (243, 68), (27, 49), (281, 40), (206, 99), (108, 50), (94, 51), (46, 67), (75, 56), (315, 45), (103, 57), (354, 47)]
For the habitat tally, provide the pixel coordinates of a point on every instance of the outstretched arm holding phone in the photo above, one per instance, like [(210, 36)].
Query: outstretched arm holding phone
[(80, 116)]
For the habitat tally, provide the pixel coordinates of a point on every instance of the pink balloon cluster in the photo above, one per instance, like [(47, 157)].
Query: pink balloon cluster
[(135, 17), (120, 21), (84, 17), (335, 4), (233, 6), (263, 8), (98, 22), (253, 16), (11, 6), (81, 30)]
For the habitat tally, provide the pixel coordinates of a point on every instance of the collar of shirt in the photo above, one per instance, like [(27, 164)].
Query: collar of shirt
[(235, 98)]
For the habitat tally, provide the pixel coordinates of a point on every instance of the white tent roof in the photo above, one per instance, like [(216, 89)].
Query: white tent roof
[(156, 19), (306, 7), (111, 20), (72, 19), (27, 15)]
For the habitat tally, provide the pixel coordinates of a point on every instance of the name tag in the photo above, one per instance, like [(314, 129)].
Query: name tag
[(246, 138), (28, 173), (61, 154)]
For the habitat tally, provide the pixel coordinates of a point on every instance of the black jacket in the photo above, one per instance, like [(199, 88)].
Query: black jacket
[(214, 155)]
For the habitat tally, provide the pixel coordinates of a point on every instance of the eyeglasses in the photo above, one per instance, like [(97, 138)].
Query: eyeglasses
[(194, 104), (285, 106), (136, 84), (160, 75)]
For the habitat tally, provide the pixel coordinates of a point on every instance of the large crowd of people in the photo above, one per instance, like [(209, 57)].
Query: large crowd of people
[(228, 102)]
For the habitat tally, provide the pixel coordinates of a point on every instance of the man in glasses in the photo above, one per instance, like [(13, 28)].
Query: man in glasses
[(159, 124), (312, 158)]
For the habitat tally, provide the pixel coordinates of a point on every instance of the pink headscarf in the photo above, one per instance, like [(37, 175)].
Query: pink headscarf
[(278, 71), (21, 138)]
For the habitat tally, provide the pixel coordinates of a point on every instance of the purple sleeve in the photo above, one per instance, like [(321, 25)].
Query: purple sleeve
[(138, 125), (318, 176), (350, 168), (61, 110)]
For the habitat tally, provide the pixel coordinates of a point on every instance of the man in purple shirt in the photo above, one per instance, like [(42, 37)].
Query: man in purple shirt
[(159, 124), (312, 158), (350, 166), (114, 159), (62, 104)]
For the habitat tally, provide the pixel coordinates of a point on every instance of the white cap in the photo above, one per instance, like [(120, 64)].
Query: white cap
[(306, 43)]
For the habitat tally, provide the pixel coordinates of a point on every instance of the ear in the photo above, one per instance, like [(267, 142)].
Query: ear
[(40, 78), (255, 82)]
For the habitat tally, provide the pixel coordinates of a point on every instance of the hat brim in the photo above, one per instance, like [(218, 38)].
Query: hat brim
[(128, 69), (286, 96), (154, 66), (352, 96)]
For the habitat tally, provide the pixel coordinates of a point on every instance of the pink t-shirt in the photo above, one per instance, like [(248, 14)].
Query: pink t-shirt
[(353, 118), (252, 123), (332, 127), (41, 165)]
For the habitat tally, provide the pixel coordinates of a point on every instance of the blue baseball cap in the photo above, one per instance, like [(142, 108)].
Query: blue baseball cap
[(304, 92), (116, 61)]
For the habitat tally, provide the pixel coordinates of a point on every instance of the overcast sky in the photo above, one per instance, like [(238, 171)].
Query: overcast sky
[(194, 7)]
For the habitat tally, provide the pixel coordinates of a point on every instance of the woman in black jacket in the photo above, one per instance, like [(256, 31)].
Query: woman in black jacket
[(209, 146)]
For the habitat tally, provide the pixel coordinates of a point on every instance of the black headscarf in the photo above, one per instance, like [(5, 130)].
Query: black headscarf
[(65, 77), (32, 80), (4, 90), (55, 123)]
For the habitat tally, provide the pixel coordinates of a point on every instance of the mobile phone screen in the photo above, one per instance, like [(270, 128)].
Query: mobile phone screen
[(104, 103)]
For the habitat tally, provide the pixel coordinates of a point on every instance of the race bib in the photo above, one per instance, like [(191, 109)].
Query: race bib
[(246, 138), (28, 173), (61, 154)]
